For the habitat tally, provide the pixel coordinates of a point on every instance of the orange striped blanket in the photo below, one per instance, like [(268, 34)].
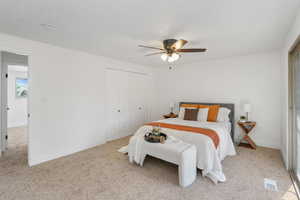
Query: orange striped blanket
[(208, 132)]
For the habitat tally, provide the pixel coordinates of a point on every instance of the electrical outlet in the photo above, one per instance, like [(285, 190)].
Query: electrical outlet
[(270, 185)]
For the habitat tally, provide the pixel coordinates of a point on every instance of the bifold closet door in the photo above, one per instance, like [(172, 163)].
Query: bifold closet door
[(138, 100), (124, 114), (113, 109), (117, 104), (127, 103)]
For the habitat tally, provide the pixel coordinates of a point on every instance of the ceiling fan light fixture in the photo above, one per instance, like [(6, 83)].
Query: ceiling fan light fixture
[(164, 57), (171, 59), (171, 48), (175, 56)]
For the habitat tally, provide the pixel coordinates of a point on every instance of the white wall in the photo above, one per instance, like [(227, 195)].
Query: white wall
[(291, 38), (17, 114), (67, 94), (67, 97), (254, 79)]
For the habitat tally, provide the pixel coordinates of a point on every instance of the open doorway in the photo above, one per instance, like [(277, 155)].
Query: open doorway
[(17, 90), (14, 105)]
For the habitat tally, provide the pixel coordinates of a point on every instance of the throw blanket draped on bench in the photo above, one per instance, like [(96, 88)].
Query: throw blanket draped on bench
[(208, 132)]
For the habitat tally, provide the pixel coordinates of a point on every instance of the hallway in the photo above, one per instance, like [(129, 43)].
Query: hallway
[(16, 154)]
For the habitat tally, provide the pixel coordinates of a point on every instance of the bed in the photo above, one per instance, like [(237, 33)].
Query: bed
[(209, 156), (230, 106)]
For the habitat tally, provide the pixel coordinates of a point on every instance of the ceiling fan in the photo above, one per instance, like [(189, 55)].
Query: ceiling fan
[(171, 48)]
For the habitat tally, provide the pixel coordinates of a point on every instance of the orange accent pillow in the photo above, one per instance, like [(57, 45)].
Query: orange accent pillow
[(213, 111), (189, 105)]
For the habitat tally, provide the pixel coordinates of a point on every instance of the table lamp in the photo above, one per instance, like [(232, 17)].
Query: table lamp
[(247, 109)]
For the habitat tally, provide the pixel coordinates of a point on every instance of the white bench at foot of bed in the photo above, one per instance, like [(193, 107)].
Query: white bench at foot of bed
[(177, 152)]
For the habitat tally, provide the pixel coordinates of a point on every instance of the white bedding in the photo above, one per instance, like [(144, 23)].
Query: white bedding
[(208, 157)]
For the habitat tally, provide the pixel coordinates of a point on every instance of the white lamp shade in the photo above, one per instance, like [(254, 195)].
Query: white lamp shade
[(247, 107), (171, 59), (175, 56), (164, 57)]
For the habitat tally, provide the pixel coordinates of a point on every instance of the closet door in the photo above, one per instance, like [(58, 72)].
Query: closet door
[(138, 100), (124, 114), (127, 103), (142, 108), (112, 109), (132, 105), (133, 96)]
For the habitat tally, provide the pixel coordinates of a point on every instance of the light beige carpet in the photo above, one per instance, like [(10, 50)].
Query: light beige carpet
[(103, 173)]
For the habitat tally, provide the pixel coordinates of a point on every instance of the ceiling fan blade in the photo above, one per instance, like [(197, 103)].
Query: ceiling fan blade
[(150, 47), (190, 50), (179, 44), (156, 53)]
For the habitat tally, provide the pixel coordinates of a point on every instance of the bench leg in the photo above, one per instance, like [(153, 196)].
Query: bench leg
[(187, 168), (142, 159)]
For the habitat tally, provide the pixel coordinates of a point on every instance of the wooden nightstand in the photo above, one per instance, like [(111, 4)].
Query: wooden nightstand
[(247, 128), (170, 115)]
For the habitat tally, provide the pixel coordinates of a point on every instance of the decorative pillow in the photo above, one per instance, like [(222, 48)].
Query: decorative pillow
[(202, 114), (213, 111), (223, 115), (189, 105), (191, 114), (182, 110)]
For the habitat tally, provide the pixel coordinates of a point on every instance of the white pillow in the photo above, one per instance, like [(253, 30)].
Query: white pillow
[(202, 114), (182, 112), (223, 115)]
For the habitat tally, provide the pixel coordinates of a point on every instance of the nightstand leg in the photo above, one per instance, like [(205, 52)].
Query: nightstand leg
[(250, 141)]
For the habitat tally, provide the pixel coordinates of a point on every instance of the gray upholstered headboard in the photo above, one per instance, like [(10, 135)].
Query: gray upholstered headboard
[(230, 106)]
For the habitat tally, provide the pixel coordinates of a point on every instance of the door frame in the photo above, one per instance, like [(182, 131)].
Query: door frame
[(291, 114), (291, 122), (3, 105), (291, 107), (23, 60)]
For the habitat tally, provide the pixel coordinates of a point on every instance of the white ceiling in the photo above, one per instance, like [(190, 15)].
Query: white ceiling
[(114, 28)]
